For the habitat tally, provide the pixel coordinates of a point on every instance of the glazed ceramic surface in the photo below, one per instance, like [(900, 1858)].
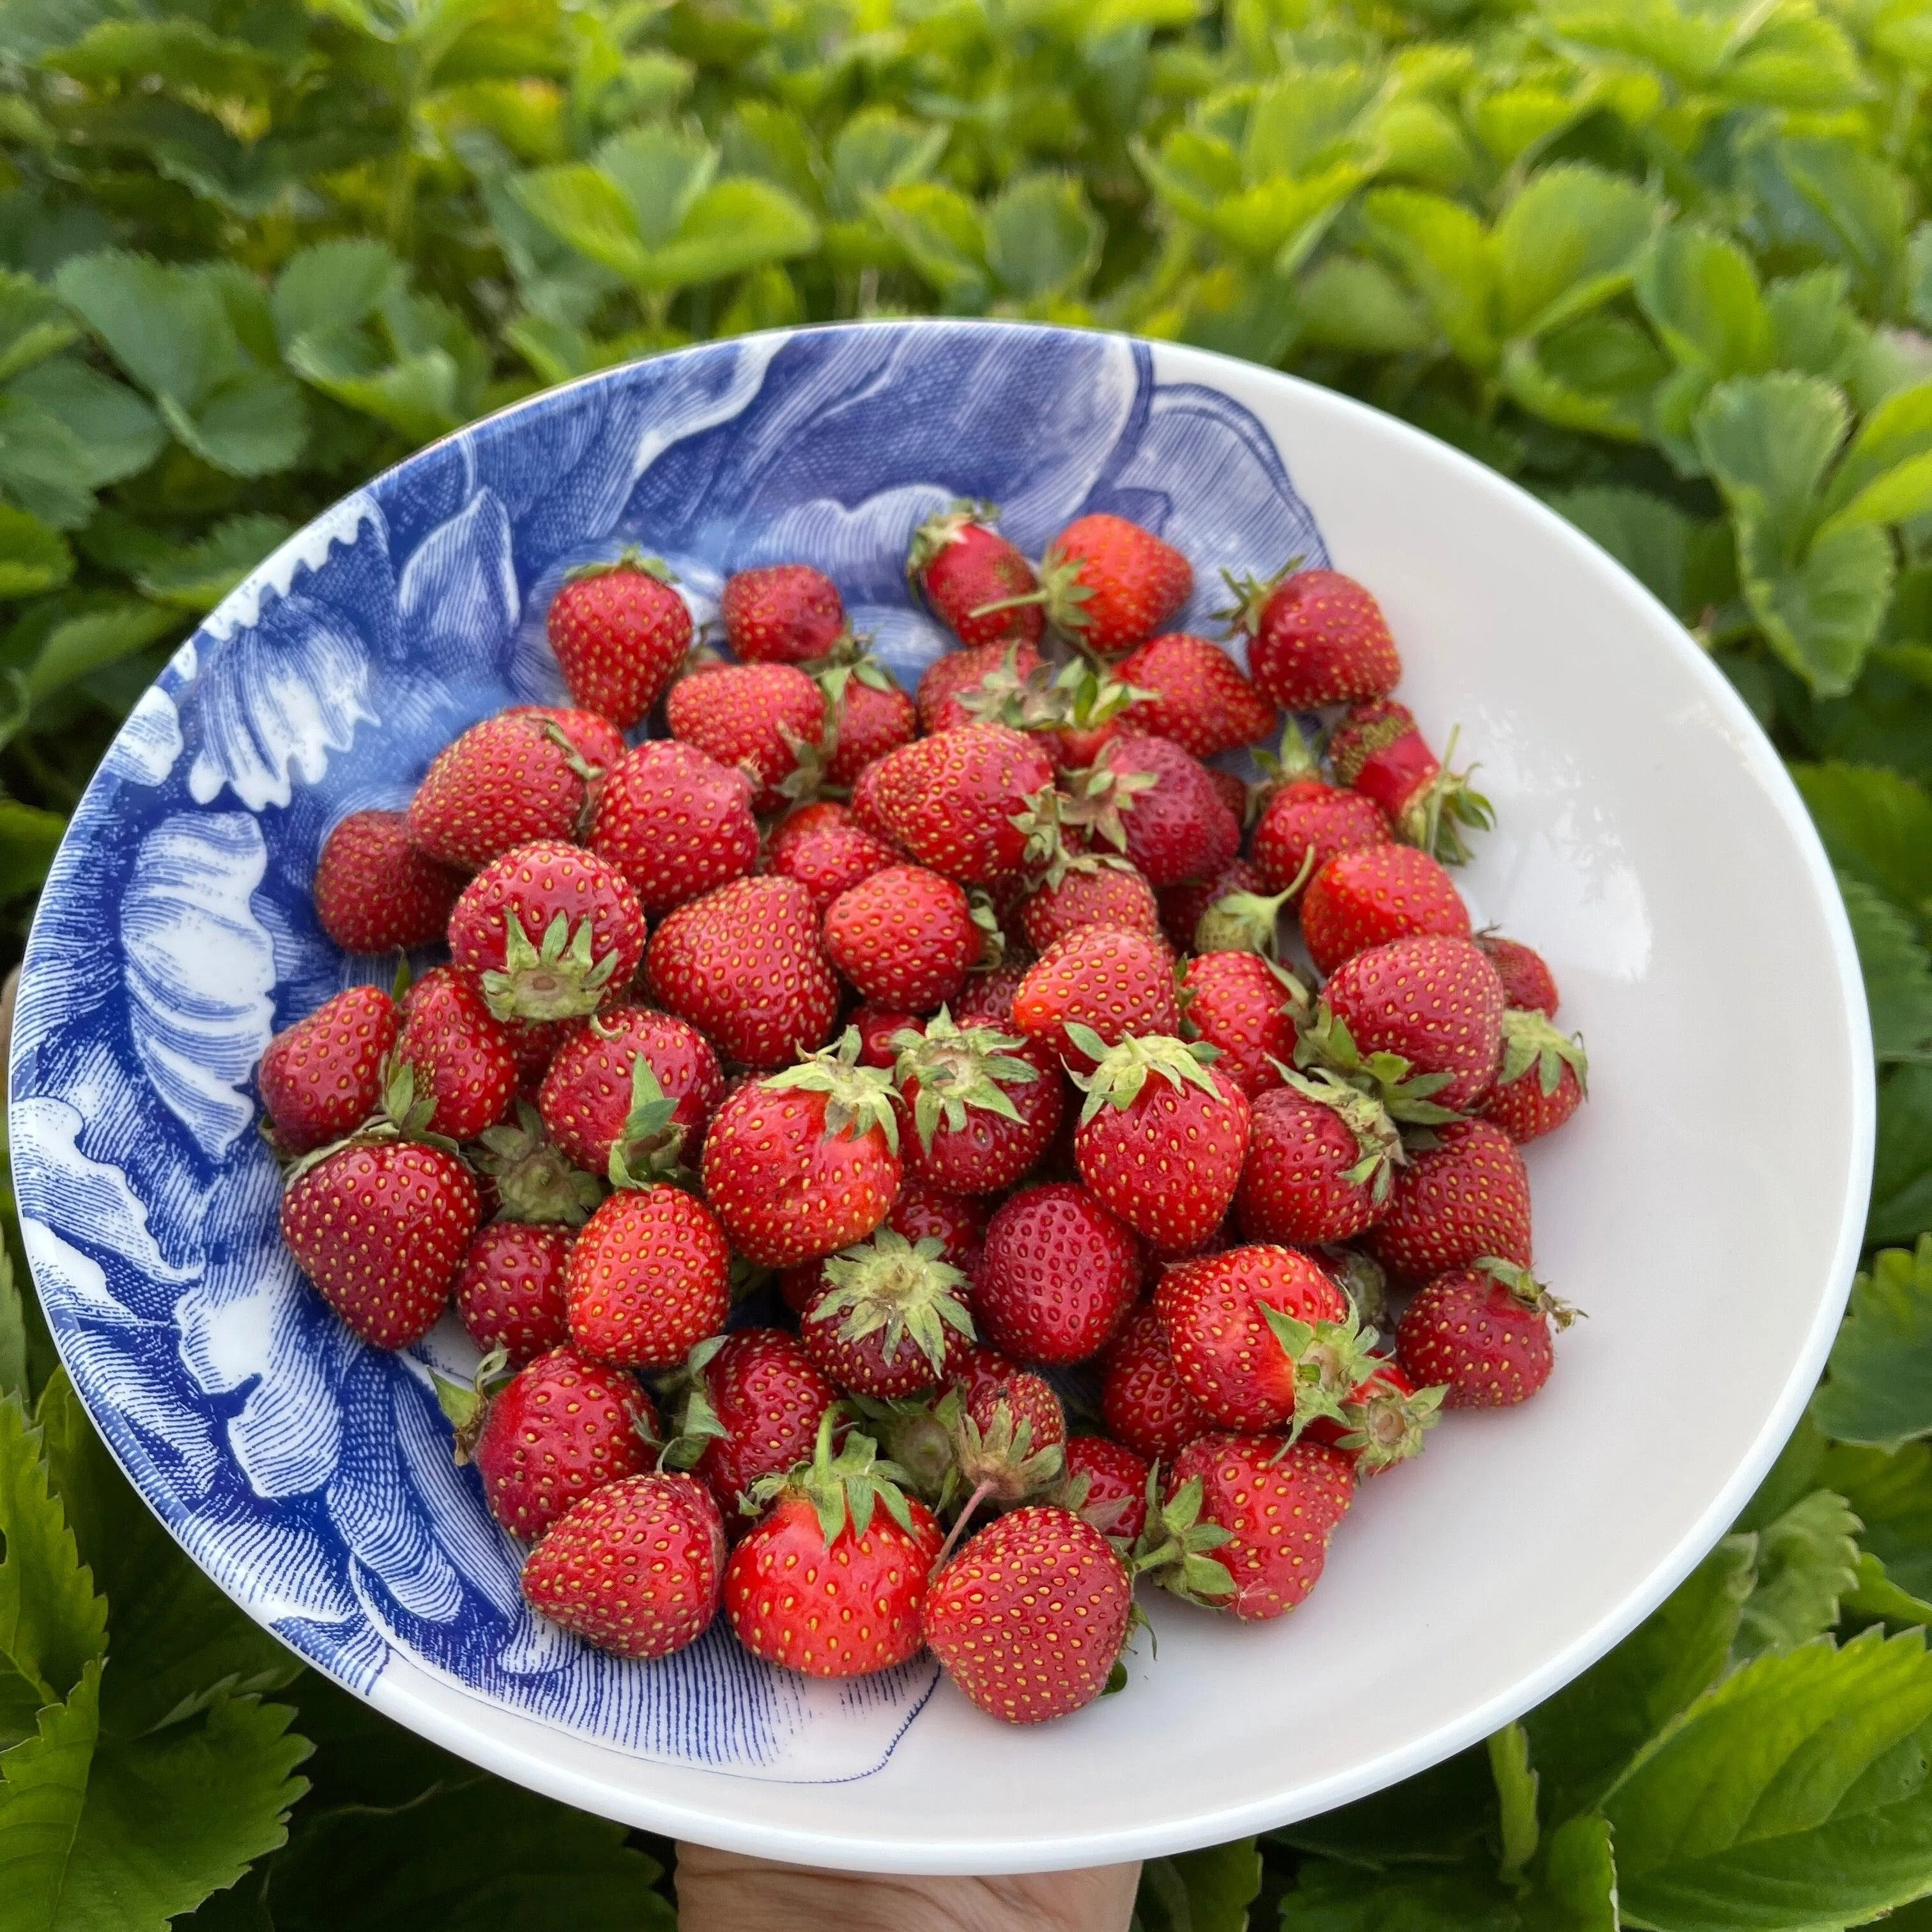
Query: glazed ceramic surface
[(1648, 844)]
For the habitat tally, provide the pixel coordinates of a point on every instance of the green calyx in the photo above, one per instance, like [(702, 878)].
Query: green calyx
[(1121, 1072), (1435, 821), (1527, 1289), (629, 558), (1173, 1550), (986, 922), (1530, 1039), (1093, 697), (901, 1289), (857, 1099), (534, 1182), (1026, 700), (1377, 1138), (1361, 1278), (1243, 617), (934, 535), (1242, 923), (466, 1405), (1298, 758), (1043, 824), (997, 1464), (1324, 1040), (843, 1490), (649, 1143), (1387, 1426), (1096, 798), (406, 1115), (915, 1433), (959, 1069), (1331, 1359), (683, 1395), (558, 980)]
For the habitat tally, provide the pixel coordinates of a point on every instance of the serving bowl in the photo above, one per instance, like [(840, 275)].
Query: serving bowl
[(1648, 843)]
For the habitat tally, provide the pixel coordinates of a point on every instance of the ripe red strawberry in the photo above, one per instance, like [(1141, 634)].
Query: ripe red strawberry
[(805, 1162), (957, 1222), (877, 1028), (865, 807), (1181, 906), (464, 1067), (522, 774), (1384, 1422), (1245, 1007), (1274, 1508), (509, 1290), (1150, 799), (765, 1398), (952, 801), (890, 1317), (1315, 637), (1007, 1443), (755, 716), (830, 1580), (1143, 1401), (1378, 893), (781, 614), (1117, 982), (559, 1428), (745, 965), (1528, 981), (1114, 1497), (374, 892), (987, 999), (1484, 1332), (961, 566), (618, 631), (1466, 1198), (676, 823), (1377, 750), (649, 1278), (1091, 891), (1306, 825), (821, 814), (381, 1227), (552, 930), (636, 1567), (984, 1105), (904, 937), (1160, 1141), (977, 685), (874, 717), (321, 1077), (1542, 1081), (1200, 700), (1029, 1618), (1320, 1165), (1111, 583), (595, 1100), (1058, 1275), (535, 1044)]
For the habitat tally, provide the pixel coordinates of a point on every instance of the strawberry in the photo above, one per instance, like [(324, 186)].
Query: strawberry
[(1528, 981), (745, 965), (1377, 750), (374, 892), (904, 936), (830, 1580), (535, 1044), (866, 814), (1268, 1511), (756, 1401), (1110, 583), (805, 1162), (1484, 1332), (873, 716), (988, 998), (1244, 1006), (1143, 1400), (1091, 890), (1181, 906), (952, 801), (1006, 1441), (381, 1227), (821, 814), (1543, 1080), (560, 1427), (785, 614), (619, 630), (1315, 638), (523, 775), (1058, 1276), (1467, 1197), (640, 1085), (889, 1317), (637, 1568), (676, 823), (509, 1291), (1375, 894), (957, 1222), (1384, 1420), (984, 1106), (1029, 1618), (529, 1174), (1321, 1163), (649, 1278), (877, 1028), (1308, 823), (321, 1077), (1114, 983), (1159, 1141), (961, 566), (978, 686), (757, 717), (1198, 697), (552, 930), (458, 1053), (1107, 1485), (1149, 799)]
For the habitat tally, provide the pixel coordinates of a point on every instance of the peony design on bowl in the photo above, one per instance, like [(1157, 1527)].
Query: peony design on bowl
[(309, 1474)]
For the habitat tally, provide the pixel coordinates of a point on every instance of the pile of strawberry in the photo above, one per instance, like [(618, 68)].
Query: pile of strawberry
[(951, 1034)]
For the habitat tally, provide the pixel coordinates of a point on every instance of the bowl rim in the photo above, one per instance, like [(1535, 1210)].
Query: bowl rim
[(403, 1690)]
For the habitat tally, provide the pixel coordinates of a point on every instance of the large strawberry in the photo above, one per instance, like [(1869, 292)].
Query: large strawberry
[(889, 1318), (758, 717), (954, 802), (1320, 1165), (459, 1053), (984, 1105), (1148, 798), (969, 575), (1465, 1198), (552, 930), (374, 892), (1143, 1400), (1482, 1332), (1111, 583), (1198, 696), (509, 1291), (619, 630), (755, 1403), (321, 1077), (805, 1162), (1305, 824), (745, 965), (830, 863), (640, 1083), (1115, 982), (1057, 1276), (1090, 890), (676, 823), (1543, 1079), (1315, 638), (904, 936), (1245, 1007), (649, 1278), (1377, 749), (1375, 894), (781, 614)]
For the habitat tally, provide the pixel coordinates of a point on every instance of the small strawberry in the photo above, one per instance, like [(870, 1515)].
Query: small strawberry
[(830, 1581), (619, 630), (821, 814), (754, 716), (374, 892), (781, 614), (984, 684), (1484, 1332), (509, 1291), (381, 1227), (984, 1105), (952, 801), (755, 1403), (1199, 698), (957, 1222), (1315, 638), (1467, 1197), (1091, 890), (1115, 982), (1143, 1401), (321, 1077), (877, 1028), (872, 716), (1306, 825), (553, 931), (676, 823), (1182, 906), (961, 566), (649, 1278), (1058, 1276), (987, 999), (637, 1568), (1151, 800), (640, 1083), (1543, 1080), (529, 1175), (805, 1162), (1376, 894), (889, 1318), (1377, 751), (745, 965), (1384, 1420), (459, 1053), (1321, 1158), (1029, 1618), (1245, 1006), (1111, 583), (904, 936), (1106, 1485), (535, 1044), (1159, 1141), (1007, 1442), (1528, 981)]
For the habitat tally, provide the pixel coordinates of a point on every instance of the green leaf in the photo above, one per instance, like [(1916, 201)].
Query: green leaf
[(661, 173), (1878, 1390), (1877, 826), (1820, 613), (52, 1623), (1351, 304), (29, 836), (1332, 1898), (877, 149), (166, 327), (1516, 1782), (1042, 240), (940, 232), (1700, 292), (1575, 1883), (1898, 974), (331, 286), (41, 464), (1449, 260), (82, 645), (33, 325), (119, 434), (252, 425), (34, 556), (198, 576), (1806, 1560), (1568, 243), (1434, 1817), (1830, 198), (1901, 1196), (733, 226), (1768, 441), (1207, 1891), (1649, 535), (420, 397), (12, 1333), (1876, 1598)]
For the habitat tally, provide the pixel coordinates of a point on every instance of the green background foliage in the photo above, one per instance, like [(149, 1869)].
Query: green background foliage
[(1663, 262)]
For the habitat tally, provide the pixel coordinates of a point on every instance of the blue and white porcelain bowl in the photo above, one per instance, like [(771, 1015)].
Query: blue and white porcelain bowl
[(1649, 844)]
